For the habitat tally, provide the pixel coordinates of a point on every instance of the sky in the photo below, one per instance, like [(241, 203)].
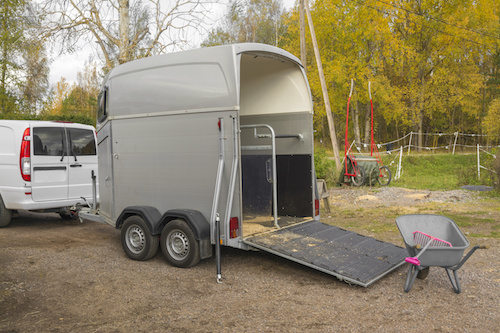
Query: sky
[(68, 65)]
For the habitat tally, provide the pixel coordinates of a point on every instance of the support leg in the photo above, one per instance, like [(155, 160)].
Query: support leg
[(410, 278)]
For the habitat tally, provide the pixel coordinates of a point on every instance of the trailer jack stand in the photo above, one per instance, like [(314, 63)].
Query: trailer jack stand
[(217, 248)]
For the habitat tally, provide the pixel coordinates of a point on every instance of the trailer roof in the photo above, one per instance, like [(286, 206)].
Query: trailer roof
[(204, 79), (201, 55)]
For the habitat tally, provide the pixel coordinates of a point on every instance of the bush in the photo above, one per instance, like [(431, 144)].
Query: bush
[(325, 167)]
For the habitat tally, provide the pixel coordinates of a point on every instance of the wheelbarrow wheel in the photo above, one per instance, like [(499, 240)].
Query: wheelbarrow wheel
[(359, 179), (423, 273), (385, 175)]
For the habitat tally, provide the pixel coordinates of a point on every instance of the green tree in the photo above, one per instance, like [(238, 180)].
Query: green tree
[(11, 41), (431, 63)]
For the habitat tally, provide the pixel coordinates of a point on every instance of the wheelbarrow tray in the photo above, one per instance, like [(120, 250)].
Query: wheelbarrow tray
[(438, 226)]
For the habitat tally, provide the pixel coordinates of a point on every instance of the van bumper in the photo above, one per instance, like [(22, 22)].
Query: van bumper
[(20, 198)]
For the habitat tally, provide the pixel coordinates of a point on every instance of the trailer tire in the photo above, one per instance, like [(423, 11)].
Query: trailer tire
[(5, 214), (137, 241), (179, 244), (385, 176), (359, 179)]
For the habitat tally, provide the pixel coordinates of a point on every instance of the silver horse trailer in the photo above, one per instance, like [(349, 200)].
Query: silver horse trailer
[(214, 146)]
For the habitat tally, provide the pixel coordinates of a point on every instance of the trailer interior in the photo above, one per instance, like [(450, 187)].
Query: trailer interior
[(273, 103)]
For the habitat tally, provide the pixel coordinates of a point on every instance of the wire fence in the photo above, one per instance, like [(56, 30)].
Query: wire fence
[(453, 141), (407, 143)]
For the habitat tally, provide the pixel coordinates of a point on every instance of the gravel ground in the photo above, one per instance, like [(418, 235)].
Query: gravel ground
[(64, 276)]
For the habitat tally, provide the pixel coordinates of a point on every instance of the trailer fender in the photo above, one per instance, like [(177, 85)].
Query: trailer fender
[(149, 214), (198, 224)]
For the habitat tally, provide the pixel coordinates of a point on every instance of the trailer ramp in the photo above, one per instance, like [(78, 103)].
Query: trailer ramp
[(351, 257)]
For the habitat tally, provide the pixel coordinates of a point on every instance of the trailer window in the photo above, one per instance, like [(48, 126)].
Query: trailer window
[(102, 101)]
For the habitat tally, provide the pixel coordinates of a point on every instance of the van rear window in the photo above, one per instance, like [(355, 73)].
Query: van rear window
[(82, 142), (48, 141)]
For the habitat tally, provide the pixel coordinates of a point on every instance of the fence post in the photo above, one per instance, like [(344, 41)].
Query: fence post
[(409, 143), (478, 164), (398, 171), (455, 143)]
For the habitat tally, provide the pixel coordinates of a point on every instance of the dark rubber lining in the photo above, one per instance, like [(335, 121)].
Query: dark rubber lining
[(349, 256)]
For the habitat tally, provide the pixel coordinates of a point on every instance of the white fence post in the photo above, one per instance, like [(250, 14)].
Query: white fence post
[(455, 143), (398, 171), (478, 164), (409, 144)]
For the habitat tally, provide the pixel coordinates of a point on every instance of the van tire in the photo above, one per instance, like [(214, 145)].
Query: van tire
[(179, 244), (137, 241), (5, 215)]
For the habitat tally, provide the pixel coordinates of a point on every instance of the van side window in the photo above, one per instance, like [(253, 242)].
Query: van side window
[(48, 141), (81, 142)]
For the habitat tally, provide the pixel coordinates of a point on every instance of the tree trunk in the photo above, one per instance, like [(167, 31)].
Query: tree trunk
[(124, 24), (355, 117), (368, 116)]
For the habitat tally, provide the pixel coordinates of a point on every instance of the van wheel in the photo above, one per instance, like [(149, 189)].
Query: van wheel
[(179, 244), (137, 241), (5, 215)]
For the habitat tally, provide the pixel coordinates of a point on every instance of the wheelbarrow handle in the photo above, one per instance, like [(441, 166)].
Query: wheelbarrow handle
[(467, 256)]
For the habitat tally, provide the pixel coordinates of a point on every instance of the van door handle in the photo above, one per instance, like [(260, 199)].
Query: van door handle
[(75, 165)]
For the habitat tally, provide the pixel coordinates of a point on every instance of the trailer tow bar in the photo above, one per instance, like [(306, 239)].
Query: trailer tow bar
[(217, 248)]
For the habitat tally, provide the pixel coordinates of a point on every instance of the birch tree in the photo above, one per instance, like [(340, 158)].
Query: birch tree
[(124, 30)]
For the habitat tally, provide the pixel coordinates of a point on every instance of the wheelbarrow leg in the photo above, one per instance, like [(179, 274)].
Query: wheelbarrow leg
[(410, 278), (455, 283)]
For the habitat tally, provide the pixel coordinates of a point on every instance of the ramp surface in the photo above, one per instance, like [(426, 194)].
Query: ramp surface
[(349, 256)]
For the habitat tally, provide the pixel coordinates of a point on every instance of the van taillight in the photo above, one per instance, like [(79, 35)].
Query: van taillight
[(316, 207), (234, 227), (25, 156)]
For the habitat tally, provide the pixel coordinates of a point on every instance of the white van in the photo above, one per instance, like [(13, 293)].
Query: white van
[(45, 166)]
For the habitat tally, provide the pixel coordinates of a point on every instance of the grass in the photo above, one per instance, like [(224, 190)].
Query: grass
[(438, 172), (422, 171), (479, 219)]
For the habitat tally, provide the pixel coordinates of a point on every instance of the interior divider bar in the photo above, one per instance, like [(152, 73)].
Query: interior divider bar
[(272, 136)]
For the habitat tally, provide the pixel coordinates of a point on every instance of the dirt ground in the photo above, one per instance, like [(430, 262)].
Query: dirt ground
[(65, 276)]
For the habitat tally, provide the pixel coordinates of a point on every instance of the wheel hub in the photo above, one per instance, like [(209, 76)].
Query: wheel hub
[(177, 245), (136, 239)]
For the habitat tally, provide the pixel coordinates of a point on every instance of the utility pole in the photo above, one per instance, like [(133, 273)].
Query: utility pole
[(326, 99), (303, 47)]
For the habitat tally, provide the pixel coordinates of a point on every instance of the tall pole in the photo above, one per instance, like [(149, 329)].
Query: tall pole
[(326, 99), (303, 47)]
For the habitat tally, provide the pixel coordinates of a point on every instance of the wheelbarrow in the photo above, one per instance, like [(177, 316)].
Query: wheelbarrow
[(446, 250)]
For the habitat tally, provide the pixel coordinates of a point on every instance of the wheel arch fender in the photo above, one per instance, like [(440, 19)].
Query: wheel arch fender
[(149, 214), (194, 219)]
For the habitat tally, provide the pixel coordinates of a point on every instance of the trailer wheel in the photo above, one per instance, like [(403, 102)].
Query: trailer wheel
[(137, 241), (179, 244), (384, 177), (5, 214), (359, 179)]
